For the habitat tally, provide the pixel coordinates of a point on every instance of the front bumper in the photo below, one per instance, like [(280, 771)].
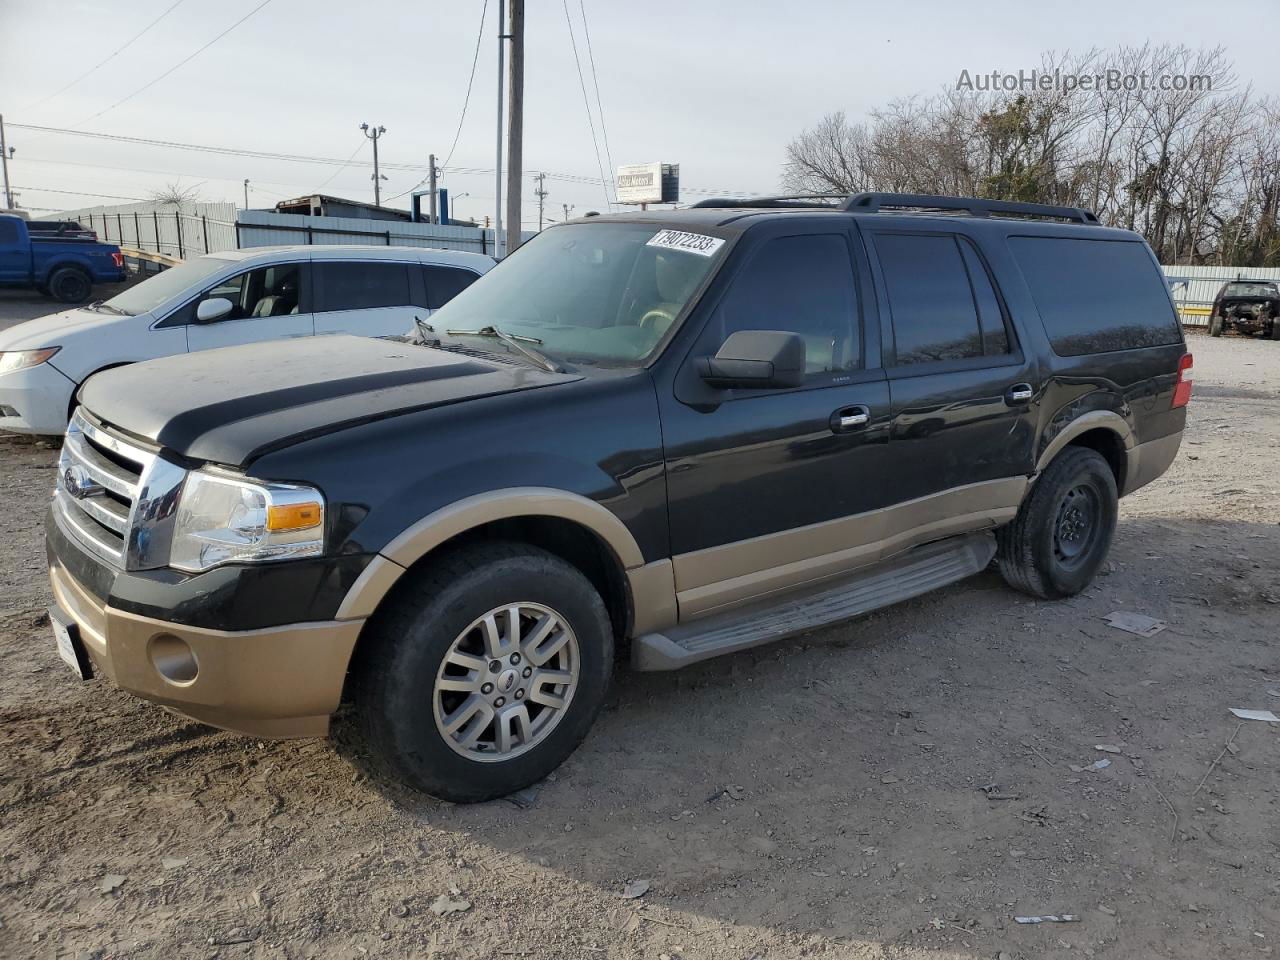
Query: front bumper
[(275, 682), (35, 400)]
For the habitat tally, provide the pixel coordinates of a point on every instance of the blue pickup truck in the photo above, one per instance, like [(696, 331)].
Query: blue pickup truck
[(65, 268)]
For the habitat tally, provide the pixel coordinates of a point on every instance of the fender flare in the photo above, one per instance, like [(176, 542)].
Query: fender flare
[(444, 524), (1094, 419)]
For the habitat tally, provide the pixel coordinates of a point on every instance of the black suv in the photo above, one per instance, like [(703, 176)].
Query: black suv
[(679, 433)]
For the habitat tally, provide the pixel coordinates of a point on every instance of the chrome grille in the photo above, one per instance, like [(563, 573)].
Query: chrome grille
[(115, 496)]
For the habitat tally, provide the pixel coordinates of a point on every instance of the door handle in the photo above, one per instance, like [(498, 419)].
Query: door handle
[(850, 418), (1019, 393)]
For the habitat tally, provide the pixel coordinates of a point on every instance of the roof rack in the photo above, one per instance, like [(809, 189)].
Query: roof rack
[(974, 206), (800, 200)]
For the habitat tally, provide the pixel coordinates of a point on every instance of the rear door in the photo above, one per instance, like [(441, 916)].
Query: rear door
[(962, 387), (15, 252), (368, 298), (268, 303)]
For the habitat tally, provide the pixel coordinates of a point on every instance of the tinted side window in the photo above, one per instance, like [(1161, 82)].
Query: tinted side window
[(445, 283), (8, 232), (995, 338), (934, 317), (803, 285), (1096, 295), (361, 286)]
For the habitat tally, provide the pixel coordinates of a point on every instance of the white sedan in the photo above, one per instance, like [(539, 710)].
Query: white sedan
[(233, 297)]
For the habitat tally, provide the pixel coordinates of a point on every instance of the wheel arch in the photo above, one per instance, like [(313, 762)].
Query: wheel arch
[(580, 531), (1104, 431)]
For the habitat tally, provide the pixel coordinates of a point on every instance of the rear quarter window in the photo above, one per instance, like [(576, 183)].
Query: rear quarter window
[(1096, 296)]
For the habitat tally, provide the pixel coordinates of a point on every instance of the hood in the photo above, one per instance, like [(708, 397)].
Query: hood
[(234, 404), (51, 330)]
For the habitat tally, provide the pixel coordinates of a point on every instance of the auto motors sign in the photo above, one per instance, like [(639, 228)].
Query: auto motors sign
[(648, 183)]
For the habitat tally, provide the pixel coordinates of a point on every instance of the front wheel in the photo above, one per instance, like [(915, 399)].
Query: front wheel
[(1063, 530), (1215, 326), (485, 673)]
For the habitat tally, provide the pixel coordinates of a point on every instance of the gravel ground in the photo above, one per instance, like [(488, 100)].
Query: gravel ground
[(900, 786)]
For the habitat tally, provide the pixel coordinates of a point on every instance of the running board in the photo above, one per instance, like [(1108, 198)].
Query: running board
[(915, 572)]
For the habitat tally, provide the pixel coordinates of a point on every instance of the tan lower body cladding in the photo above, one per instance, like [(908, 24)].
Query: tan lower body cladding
[(718, 577)]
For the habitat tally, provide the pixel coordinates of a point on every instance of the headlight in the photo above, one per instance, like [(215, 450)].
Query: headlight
[(11, 360), (226, 520)]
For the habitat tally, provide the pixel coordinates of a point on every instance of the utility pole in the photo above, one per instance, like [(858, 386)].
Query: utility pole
[(515, 127), (246, 193), (541, 193), (431, 179), (497, 183), (568, 209), (373, 133), (5, 153)]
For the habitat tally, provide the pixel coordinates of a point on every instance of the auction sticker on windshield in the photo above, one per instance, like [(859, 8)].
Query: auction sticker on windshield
[(698, 243)]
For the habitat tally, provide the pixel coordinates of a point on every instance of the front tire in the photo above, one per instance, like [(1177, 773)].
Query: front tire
[(1215, 326), (1064, 528), (70, 285), (485, 674)]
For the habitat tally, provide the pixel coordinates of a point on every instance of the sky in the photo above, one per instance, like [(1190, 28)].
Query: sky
[(719, 87)]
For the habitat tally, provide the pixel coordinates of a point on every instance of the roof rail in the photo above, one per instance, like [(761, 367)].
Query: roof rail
[(974, 206), (802, 200)]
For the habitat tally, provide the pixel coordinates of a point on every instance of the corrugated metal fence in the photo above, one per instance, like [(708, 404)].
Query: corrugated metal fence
[(197, 228), (186, 231)]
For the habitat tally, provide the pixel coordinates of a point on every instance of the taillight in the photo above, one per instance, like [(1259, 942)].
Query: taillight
[(117, 258), (1182, 387)]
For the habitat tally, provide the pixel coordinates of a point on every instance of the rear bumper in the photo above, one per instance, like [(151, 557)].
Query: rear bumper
[(1147, 461), (275, 682), (35, 400)]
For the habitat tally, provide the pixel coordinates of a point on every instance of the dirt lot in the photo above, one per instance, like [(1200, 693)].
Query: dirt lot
[(897, 787)]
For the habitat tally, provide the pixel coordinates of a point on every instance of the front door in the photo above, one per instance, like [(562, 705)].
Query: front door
[(963, 390), (762, 483), (267, 303), (368, 298), (15, 254)]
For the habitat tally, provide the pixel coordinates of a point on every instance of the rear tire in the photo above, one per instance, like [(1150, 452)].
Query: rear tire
[(1215, 326), (1064, 528), (445, 654), (70, 285)]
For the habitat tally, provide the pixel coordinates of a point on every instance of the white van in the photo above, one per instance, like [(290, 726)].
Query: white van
[(233, 297)]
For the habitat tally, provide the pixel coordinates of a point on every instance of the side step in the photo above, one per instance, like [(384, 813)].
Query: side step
[(915, 572)]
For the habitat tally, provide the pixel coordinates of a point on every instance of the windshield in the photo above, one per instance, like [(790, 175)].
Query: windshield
[(601, 293), (1250, 290), (164, 286)]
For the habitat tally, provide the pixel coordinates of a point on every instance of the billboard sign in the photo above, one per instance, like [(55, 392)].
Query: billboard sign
[(648, 183)]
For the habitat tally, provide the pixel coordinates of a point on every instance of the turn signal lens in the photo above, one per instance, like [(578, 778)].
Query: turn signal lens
[(294, 516)]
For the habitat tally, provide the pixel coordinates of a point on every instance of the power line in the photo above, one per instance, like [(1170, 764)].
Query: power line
[(81, 193), (119, 50), (329, 180), (586, 102), (305, 158), (180, 63), (475, 58), (595, 79)]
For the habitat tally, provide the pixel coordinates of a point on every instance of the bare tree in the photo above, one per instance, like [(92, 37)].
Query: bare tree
[(1160, 142), (176, 195)]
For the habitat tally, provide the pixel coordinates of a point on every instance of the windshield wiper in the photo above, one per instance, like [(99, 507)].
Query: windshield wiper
[(515, 342), (99, 306)]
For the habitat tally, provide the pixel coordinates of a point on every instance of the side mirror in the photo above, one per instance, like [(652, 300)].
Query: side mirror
[(215, 308), (756, 359)]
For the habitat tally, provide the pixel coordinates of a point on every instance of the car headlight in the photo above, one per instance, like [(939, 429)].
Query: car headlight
[(11, 360), (223, 519)]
